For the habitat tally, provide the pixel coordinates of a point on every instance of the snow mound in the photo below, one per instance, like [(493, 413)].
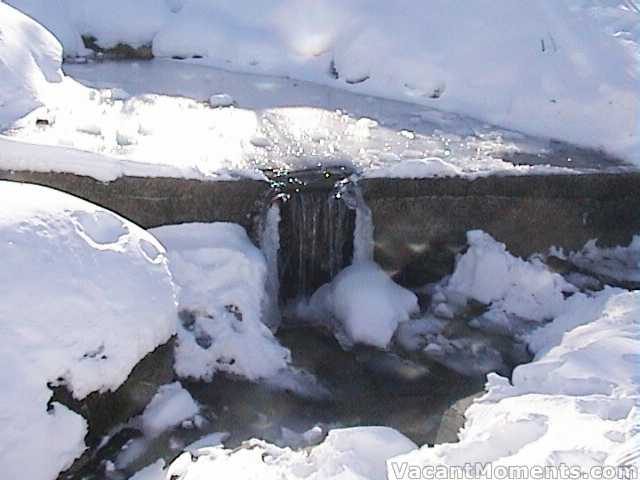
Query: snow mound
[(514, 288), (76, 280), (221, 276), (168, 408), (351, 453), (575, 404), (564, 70), (367, 304), (30, 59)]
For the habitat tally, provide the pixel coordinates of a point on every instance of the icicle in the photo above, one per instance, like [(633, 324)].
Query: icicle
[(270, 246)]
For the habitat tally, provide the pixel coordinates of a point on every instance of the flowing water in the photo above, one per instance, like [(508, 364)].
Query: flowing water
[(329, 388)]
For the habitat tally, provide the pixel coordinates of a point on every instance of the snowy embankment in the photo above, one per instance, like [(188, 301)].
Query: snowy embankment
[(221, 277), (29, 63), (565, 70), (86, 295), (576, 404)]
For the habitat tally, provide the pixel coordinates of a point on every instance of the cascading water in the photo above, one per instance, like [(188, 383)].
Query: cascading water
[(323, 225), (269, 239)]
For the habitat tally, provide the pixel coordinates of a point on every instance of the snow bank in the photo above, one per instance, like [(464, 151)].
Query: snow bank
[(366, 303), (575, 404), (564, 70), (76, 280), (350, 453), (168, 408), (30, 58), (221, 276)]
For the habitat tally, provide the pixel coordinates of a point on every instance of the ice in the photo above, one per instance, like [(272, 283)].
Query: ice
[(75, 282), (367, 304), (222, 278), (168, 408), (584, 53), (221, 100)]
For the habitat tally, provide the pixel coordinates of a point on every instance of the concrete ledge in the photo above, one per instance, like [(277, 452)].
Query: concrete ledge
[(419, 224), (155, 201)]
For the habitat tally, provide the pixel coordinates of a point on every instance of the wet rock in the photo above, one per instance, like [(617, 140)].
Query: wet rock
[(104, 411), (453, 420), (121, 51)]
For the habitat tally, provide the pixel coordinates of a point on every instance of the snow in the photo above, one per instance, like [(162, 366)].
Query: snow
[(221, 277), (170, 406), (565, 70), (76, 281), (618, 263), (352, 453), (155, 471), (30, 60), (576, 403), (515, 288), (156, 119), (366, 303)]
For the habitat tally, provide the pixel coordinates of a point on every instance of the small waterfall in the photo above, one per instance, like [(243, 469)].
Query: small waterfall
[(315, 224), (316, 233)]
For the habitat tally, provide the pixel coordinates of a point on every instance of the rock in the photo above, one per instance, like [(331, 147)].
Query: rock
[(103, 411), (221, 100)]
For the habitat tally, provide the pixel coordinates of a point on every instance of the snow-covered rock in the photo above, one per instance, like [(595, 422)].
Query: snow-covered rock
[(30, 59), (86, 295), (366, 303), (515, 289), (221, 276), (575, 404), (168, 408)]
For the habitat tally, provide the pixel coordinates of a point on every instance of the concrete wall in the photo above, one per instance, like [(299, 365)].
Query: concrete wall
[(151, 202), (419, 224)]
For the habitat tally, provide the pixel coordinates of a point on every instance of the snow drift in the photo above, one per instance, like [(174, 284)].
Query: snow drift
[(86, 295), (30, 59)]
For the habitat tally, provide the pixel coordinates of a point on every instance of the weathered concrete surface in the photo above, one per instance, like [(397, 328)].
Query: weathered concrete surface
[(420, 224), (151, 202)]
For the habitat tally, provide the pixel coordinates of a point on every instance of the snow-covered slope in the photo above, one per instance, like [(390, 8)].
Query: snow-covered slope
[(30, 58), (566, 70), (575, 406), (86, 295)]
